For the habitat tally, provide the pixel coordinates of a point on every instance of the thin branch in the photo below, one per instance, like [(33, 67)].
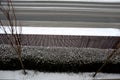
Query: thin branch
[(108, 58), (14, 39)]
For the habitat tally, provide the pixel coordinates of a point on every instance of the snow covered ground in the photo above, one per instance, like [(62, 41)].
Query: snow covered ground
[(32, 75), (69, 31)]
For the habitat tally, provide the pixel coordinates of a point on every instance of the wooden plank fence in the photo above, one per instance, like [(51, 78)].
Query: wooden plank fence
[(104, 42)]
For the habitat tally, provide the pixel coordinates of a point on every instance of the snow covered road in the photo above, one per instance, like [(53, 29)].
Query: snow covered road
[(75, 0)]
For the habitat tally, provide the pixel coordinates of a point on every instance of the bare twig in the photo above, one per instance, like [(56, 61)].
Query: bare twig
[(108, 58), (15, 32)]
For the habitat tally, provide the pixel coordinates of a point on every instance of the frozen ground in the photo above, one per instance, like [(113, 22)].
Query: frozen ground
[(32, 75), (69, 31)]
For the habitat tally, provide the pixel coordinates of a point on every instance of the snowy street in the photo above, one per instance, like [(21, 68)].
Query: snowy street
[(75, 0), (67, 13)]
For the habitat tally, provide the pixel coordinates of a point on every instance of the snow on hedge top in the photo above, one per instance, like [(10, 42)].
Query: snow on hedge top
[(67, 31)]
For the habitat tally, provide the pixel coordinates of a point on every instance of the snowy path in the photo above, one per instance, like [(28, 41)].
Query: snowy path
[(17, 75)]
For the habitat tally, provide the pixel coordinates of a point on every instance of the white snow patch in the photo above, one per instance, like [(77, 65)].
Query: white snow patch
[(32, 75), (68, 31)]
